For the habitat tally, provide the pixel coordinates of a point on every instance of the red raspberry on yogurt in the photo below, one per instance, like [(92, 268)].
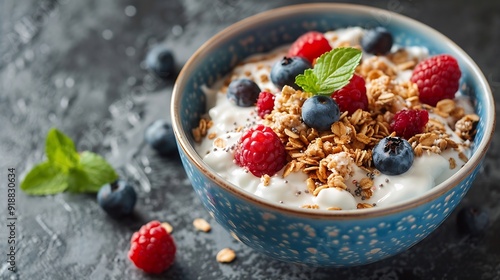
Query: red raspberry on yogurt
[(260, 151), (437, 78), (310, 46)]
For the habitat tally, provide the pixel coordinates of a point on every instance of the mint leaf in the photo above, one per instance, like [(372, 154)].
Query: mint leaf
[(78, 181), (332, 71), (65, 169), (44, 179), (61, 150), (98, 171), (308, 81)]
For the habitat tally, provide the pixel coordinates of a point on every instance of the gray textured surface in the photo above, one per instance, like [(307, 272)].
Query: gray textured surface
[(76, 65)]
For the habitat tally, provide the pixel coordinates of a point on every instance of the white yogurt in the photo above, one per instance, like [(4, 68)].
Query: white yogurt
[(426, 172)]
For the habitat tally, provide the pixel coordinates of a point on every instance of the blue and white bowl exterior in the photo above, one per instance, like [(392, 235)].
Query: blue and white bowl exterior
[(311, 236), (319, 241)]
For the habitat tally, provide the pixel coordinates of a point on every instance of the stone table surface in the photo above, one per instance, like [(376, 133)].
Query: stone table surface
[(77, 66)]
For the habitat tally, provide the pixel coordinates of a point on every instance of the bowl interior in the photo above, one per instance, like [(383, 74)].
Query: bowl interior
[(268, 30)]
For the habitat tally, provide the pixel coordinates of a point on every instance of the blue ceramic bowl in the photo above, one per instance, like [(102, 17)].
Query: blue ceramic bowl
[(316, 237)]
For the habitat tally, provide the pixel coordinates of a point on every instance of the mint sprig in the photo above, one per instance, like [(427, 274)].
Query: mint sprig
[(66, 169), (332, 71)]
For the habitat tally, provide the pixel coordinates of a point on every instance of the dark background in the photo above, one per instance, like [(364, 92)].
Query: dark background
[(77, 66)]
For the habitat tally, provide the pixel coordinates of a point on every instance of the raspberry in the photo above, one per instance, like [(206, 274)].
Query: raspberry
[(352, 96), (152, 249), (260, 151), (265, 103), (310, 46), (407, 123), (437, 78)]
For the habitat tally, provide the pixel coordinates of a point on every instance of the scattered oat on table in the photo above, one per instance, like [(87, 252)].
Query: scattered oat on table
[(202, 225), (168, 227), (226, 255)]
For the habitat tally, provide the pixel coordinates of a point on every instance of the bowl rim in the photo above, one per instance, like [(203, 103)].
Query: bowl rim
[(276, 13)]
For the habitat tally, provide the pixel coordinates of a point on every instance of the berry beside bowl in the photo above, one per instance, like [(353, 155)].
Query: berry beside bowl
[(117, 198), (321, 237)]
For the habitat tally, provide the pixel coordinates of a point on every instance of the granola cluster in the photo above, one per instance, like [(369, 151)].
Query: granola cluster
[(326, 156)]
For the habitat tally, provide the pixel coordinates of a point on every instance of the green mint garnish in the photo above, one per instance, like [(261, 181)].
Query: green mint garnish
[(332, 71), (66, 169)]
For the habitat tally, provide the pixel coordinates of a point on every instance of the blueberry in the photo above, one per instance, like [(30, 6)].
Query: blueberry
[(243, 92), (320, 112), (160, 61), (377, 41), (284, 71), (160, 136), (472, 220), (392, 155), (117, 198)]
